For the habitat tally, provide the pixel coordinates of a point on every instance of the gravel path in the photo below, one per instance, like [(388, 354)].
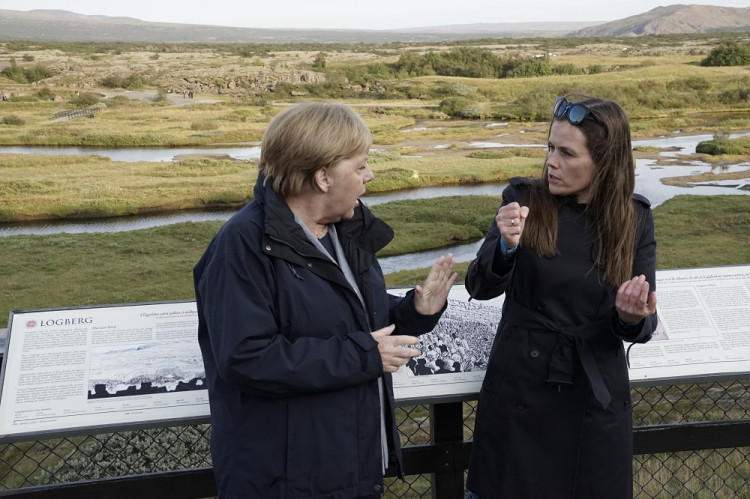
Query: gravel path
[(176, 98)]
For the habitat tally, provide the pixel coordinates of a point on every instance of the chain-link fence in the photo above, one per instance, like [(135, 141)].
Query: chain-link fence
[(720, 473), (708, 473)]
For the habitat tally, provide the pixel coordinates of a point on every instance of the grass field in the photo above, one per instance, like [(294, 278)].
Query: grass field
[(155, 264), (58, 187)]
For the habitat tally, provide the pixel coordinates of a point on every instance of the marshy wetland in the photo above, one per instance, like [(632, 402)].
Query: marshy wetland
[(438, 117)]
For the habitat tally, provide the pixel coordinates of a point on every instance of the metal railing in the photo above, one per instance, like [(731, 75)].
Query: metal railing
[(76, 113), (690, 440)]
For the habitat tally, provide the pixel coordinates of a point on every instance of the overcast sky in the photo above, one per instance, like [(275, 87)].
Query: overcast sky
[(352, 14)]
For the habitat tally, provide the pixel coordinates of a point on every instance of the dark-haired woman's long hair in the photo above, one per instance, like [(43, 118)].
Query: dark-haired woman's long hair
[(611, 204)]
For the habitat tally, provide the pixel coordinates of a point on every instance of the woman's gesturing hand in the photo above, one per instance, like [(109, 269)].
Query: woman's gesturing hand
[(395, 351), (431, 295), (634, 302), (510, 220)]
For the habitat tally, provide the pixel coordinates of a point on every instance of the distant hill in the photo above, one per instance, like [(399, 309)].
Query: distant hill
[(64, 26), (674, 19), (59, 25)]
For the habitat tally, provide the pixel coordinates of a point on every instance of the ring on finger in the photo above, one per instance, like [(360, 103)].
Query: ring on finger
[(512, 221)]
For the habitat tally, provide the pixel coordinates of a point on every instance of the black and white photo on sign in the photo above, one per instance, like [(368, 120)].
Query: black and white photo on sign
[(145, 368), (460, 342)]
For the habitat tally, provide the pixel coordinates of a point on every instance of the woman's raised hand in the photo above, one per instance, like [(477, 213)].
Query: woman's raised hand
[(510, 220), (432, 294)]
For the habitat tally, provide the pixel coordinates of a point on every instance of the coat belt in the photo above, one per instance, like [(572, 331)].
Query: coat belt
[(571, 340)]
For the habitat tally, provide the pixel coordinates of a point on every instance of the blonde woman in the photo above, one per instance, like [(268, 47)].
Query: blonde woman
[(297, 331)]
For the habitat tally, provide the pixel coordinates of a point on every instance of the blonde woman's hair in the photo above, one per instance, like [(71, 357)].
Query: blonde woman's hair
[(306, 137), (611, 206)]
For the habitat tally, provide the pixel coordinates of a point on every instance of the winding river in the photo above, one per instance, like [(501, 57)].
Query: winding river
[(648, 183)]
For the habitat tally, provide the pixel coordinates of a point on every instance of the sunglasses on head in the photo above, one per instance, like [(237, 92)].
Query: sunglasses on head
[(575, 113)]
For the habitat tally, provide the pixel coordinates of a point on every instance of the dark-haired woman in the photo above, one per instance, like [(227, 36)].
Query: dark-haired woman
[(574, 252)]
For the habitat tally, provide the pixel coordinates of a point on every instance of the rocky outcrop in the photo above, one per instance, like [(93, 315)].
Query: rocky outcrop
[(242, 84)]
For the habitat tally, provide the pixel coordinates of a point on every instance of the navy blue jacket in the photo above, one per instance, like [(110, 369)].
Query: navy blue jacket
[(291, 364)]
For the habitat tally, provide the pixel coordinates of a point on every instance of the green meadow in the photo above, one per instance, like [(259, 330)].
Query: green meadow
[(155, 264), (426, 104)]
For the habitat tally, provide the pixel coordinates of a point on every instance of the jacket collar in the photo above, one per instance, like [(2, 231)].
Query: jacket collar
[(364, 230), (279, 219)]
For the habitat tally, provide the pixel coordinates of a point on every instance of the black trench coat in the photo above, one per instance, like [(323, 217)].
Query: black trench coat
[(554, 417)]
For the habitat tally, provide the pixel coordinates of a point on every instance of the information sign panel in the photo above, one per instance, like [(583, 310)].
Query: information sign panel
[(89, 368)]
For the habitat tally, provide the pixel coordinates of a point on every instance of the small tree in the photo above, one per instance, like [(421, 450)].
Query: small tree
[(320, 61)]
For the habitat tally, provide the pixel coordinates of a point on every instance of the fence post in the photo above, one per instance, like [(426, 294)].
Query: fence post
[(447, 423)]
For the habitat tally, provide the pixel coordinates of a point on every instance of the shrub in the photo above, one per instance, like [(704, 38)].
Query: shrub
[(45, 94), (728, 54), (721, 144), (112, 81), (525, 67), (412, 64), (533, 106), (414, 91), (380, 156), (463, 90), (38, 73), (469, 62), (490, 154), (566, 69), (473, 112), (696, 83), (26, 75), (464, 61), (452, 106), (283, 88), (131, 82), (12, 119), (735, 96), (84, 100)]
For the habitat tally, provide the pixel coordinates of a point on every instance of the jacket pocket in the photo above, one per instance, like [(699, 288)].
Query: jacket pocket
[(503, 357), (322, 450)]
